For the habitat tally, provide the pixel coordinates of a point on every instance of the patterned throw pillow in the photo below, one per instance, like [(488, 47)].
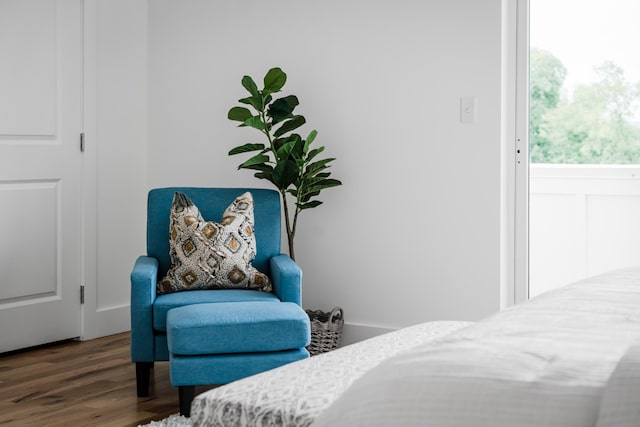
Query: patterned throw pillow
[(208, 255)]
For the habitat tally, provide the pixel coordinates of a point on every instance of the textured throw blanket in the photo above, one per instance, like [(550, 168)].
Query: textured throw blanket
[(294, 394)]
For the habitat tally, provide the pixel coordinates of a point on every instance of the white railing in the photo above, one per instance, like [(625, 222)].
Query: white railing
[(583, 220)]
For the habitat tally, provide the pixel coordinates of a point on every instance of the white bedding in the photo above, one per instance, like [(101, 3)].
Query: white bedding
[(293, 395), (620, 406), (547, 362)]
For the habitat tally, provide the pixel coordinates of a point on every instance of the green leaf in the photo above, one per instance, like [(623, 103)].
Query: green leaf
[(291, 124), (298, 150), (282, 108), (279, 142), (309, 205), (284, 151), (263, 167), (331, 182), (313, 168), (254, 161), (294, 144), (239, 114), (254, 101), (327, 183), (312, 180), (312, 135), (246, 148), (263, 175), (274, 80), (251, 86), (255, 122), (308, 196), (285, 173), (314, 153)]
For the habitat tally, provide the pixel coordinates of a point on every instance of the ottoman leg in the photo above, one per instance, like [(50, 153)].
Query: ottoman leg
[(186, 394), (143, 371)]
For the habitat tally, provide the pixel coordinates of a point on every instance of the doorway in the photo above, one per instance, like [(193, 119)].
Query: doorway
[(584, 148)]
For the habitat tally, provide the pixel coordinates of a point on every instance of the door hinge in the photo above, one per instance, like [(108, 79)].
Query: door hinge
[(81, 294), (82, 142)]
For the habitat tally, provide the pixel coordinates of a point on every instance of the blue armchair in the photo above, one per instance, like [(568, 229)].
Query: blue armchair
[(199, 355)]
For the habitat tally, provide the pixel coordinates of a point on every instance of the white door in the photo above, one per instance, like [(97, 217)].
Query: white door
[(40, 171)]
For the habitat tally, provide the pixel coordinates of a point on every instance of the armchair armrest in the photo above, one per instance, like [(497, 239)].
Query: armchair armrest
[(143, 293), (286, 276)]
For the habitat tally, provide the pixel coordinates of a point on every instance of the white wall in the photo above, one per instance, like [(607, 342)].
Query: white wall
[(414, 233)]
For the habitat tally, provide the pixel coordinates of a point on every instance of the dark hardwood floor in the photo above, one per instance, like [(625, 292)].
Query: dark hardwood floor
[(90, 383)]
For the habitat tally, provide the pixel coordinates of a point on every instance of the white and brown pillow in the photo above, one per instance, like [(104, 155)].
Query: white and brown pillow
[(211, 255)]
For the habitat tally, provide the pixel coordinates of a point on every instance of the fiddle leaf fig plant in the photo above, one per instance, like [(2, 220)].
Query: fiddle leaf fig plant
[(284, 158)]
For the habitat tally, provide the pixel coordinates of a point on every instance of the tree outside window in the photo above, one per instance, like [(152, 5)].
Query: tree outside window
[(597, 124)]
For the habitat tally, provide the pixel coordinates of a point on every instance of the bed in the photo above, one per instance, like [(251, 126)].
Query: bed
[(570, 358)]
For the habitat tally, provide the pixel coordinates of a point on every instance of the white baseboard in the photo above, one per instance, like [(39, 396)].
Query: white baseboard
[(113, 320), (353, 332)]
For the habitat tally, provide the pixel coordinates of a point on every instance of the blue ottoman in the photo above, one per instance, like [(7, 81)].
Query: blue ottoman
[(217, 343)]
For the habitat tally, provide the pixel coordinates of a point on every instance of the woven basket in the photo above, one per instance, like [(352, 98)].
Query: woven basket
[(326, 330)]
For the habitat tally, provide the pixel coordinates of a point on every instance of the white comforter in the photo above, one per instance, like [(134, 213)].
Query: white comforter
[(545, 363)]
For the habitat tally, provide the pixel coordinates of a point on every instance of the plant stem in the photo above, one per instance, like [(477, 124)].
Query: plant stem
[(267, 131), (283, 194), (290, 231)]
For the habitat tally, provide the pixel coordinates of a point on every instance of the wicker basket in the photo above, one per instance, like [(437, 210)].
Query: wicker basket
[(326, 330)]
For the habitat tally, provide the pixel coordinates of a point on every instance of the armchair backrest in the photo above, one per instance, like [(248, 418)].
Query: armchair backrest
[(212, 202)]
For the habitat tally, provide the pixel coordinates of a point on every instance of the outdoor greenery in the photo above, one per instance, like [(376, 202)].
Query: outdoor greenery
[(597, 124), (286, 160)]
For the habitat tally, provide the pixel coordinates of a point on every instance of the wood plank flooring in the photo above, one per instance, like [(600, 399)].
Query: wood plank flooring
[(90, 383)]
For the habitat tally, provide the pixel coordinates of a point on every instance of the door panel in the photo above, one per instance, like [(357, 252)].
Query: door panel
[(40, 171), (22, 250)]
